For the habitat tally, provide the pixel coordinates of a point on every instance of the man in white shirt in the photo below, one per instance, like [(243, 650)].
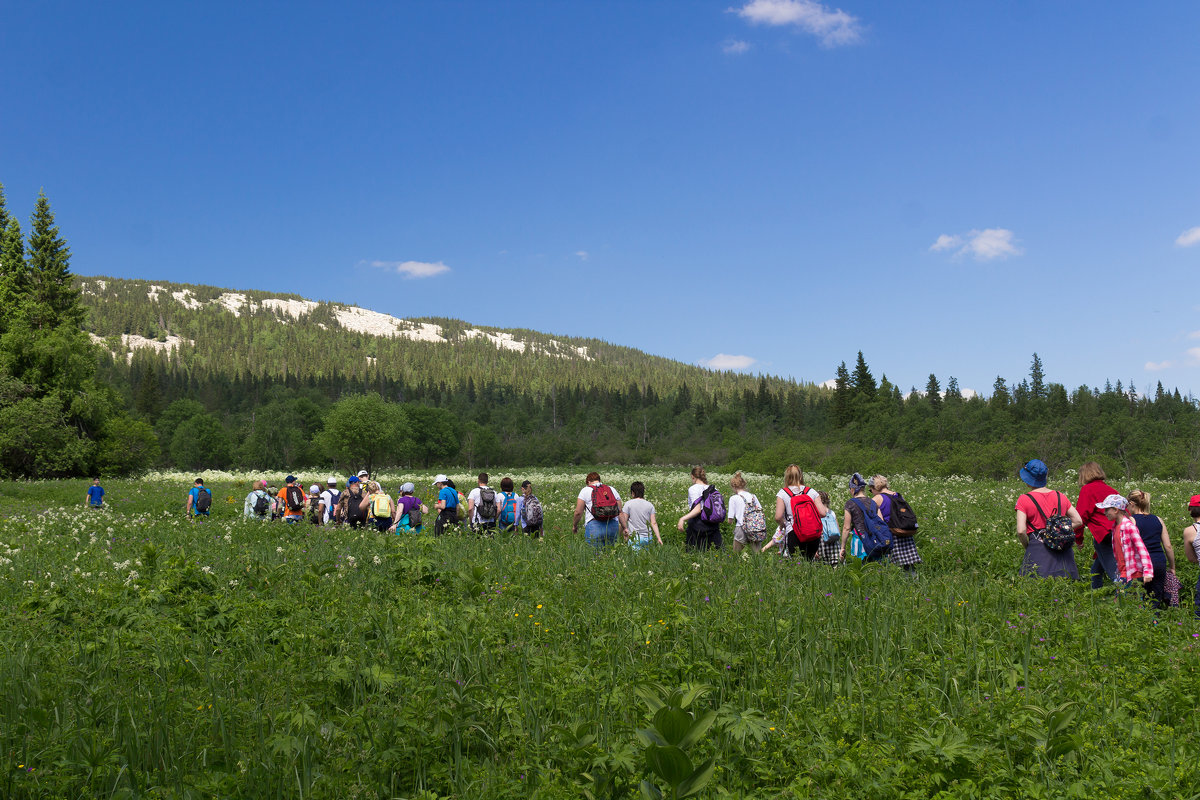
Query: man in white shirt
[(482, 508), (329, 499)]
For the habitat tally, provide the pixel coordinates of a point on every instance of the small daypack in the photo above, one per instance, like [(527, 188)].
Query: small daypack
[(314, 512), (533, 512), (380, 507), (829, 528), (486, 510), (877, 536), (754, 521), (901, 517), (712, 505), (295, 498), (203, 500), (806, 524), (1059, 533), (354, 509), (604, 503), (508, 509), (262, 503), (414, 516)]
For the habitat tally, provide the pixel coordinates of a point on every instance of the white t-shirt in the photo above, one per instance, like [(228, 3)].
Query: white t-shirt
[(738, 504), (639, 510), (329, 498), (694, 492), (473, 497), (585, 494), (787, 504)]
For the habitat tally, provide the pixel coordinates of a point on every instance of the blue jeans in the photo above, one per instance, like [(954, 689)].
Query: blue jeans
[(601, 534), (1104, 565)]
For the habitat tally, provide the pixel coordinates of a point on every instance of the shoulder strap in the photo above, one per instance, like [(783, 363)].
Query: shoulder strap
[(1036, 505), (790, 493)]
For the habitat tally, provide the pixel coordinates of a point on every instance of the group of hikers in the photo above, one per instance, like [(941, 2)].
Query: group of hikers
[(1131, 546)]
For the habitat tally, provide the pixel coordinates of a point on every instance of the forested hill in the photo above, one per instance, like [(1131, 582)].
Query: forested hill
[(208, 332)]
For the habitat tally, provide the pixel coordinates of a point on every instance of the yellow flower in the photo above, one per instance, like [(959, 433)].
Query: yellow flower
[(539, 605)]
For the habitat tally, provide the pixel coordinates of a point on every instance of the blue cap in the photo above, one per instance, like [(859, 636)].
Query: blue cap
[(353, 479), (290, 479), (1034, 473)]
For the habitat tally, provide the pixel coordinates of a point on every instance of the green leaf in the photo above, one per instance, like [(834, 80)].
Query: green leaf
[(650, 791), (672, 724), (698, 729), (695, 783), (669, 763)]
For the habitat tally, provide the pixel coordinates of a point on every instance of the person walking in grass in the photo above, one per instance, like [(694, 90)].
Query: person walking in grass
[(1093, 489), (855, 523), (638, 518), (379, 508), (294, 500), (795, 494), (447, 505), (746, 513), (1045, 556), (409, 511), (482, 507), (199, 501), (1191, 543), (1153, 532), (258, 503), (506, 507), (95, 494), (529, 511), (1133, 560), (904, 546), (701, 533), (598, 506), (349, 508)]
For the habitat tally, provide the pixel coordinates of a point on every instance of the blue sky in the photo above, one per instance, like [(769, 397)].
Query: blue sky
[(948, 187)]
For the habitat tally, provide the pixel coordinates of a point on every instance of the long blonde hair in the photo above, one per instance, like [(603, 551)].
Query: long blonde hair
[(793, 476), (1139, 501)]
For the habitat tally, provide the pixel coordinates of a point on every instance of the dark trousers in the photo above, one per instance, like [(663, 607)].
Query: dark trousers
[(702, 535), (447, 516), (1104, 565), (808, 549)]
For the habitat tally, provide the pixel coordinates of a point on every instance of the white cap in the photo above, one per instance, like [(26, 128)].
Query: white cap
[(362, 473), (314, 489), (1113, 501), (332, 481), (440, 479)]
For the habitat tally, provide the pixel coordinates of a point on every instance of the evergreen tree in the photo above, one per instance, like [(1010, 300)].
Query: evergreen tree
[(55, 299), (842, 411), (1000, 396), (863, 381), (953, 393), (1037, 379), (933, 393), (14, 273)]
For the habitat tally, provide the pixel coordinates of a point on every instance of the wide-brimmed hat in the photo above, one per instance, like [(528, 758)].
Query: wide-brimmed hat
[(1034, 473), (1113, 501)]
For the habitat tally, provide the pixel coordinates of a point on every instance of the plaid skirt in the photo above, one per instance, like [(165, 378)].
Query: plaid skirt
[(904, 551), (828, 552)]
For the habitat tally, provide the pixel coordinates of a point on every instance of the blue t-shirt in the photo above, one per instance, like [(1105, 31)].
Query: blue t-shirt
[(95, 495), (195, 495), (449, 495)]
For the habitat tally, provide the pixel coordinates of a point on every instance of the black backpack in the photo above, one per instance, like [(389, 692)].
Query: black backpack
[(262, 504), (354, 510), (487, 504), (902, 517), (295, 498), (1059, 533), (203, 500), (414, 516)]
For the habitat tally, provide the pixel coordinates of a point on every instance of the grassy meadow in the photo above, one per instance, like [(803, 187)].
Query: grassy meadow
[(145, 657)]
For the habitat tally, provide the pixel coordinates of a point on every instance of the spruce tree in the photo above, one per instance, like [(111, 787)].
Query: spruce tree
[(953, 393), (842, 411), (55, 299), (933, 393), (1037, 379), (14, 274), (863, 381), (1000, 395)]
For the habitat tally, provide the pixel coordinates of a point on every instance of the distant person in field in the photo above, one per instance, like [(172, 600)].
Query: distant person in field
[(638, 518), (746, 514), (199, 501), (800, 536), (1034, 510), (904, 546), (328, 500), (855, 522), (830, 550), (447, 505), (599, 508), (701, 533), (95, 494), (482, 507), (1153, 531), (314, 505), (529, 511), (1093, 489), (258, 503), (506, 504), (379, 508), (1191, 543), (1133, 560), (294, 500), (350, 509), (276, 503), (409, 511)]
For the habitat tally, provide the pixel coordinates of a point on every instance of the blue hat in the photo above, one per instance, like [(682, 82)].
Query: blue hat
[(290, 479), (353, 479), (1034, 473)]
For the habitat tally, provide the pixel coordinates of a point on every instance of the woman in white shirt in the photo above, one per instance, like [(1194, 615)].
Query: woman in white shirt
[(793, 484), (701, 535), (740, 502)]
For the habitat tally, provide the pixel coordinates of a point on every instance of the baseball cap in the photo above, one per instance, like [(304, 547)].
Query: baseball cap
[(407, 487), (1195, 501), (261, 484), (353, 479), (314, 489), (332, 481), (440, 479), (362, 473), (290, 479), (1113, 501)]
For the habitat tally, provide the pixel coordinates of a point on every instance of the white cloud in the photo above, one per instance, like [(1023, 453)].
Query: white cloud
[(832, 27), (412, 269), (983, 245), (829, 384), (1193, 354), (968, 393), (1155, 366), (723, 361), (583, 254), (735, 47), (1189, 237), (1194, 335)]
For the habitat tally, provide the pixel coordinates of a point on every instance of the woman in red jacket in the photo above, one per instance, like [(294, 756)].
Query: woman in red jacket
[(1093, 490)]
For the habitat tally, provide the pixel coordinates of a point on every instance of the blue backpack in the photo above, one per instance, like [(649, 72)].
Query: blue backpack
[(877, 538), (508, 509)]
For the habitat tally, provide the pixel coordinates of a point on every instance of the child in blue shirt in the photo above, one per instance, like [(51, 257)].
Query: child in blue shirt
[(95, 494)]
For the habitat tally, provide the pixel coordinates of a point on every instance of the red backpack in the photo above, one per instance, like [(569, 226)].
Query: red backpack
[(604, 503), (806, 523)]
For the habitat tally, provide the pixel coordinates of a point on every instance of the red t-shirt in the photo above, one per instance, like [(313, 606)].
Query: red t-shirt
[(1049, 501), (1094, 519)]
